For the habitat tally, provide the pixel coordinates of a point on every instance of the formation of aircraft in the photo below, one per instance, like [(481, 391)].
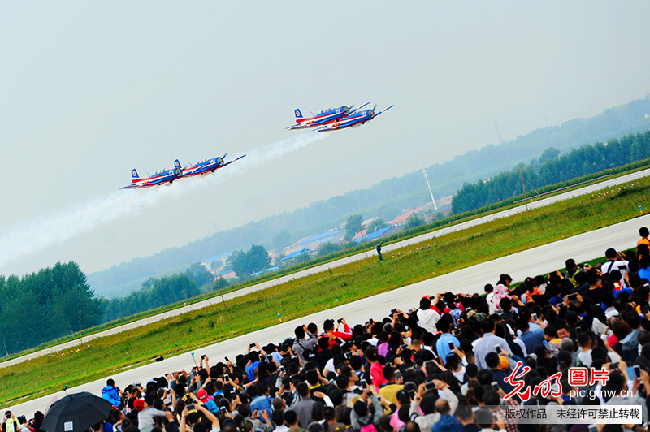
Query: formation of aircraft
[(323, 118), (327, 120), (351, 120), (207, 166)]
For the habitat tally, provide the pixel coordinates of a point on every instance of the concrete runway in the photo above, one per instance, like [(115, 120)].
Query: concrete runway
[(528, 263)]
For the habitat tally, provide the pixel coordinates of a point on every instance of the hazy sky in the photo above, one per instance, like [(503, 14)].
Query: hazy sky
[(90, 90)]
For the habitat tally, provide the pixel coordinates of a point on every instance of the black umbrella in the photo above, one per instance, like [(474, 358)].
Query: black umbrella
[(76, 412)]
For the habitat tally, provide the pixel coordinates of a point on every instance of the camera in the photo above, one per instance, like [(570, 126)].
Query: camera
[(226, 376), (451, 346), (498, 349), (203, 356), (430, 386), (340, 320), (637, 371), (251, 345), (398, 375), (495, 386)]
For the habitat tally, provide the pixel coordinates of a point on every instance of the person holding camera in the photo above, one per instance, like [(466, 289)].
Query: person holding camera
[(425, 399), (366, 411), (304, 344), (112, 393)]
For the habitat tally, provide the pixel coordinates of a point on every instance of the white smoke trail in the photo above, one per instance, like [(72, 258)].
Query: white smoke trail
[(39, 233)]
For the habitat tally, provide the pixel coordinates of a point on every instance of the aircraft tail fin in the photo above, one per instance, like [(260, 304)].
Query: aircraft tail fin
[(298, 113), (134, 176)]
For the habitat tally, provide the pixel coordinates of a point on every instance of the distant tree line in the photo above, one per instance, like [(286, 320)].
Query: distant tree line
[(57, 302), (551, 168), (46, 305), (160, 292)]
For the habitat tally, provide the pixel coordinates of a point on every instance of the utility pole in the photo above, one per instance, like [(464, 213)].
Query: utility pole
[(435, 207), (521, 171), (496, 126)]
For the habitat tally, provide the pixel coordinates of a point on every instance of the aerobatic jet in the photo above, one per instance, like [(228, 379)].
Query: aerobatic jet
[(324, 117), (161, 177), (207, 166), (352, 120)]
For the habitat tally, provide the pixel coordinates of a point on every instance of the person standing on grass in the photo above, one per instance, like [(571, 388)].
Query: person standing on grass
[(381, 258)]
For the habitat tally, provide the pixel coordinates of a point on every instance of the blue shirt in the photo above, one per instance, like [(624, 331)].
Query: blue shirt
[(249, 370), (261, 403), (442, 345), (531, 339)]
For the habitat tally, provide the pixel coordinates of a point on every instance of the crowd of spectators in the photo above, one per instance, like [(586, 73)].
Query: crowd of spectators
[(441, 367)]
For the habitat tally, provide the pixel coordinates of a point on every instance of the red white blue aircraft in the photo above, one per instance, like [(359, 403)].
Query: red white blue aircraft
[(161, 177), (207, 166), (324, 117), (352, 120)]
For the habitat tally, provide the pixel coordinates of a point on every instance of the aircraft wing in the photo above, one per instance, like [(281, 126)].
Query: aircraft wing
[(358, 108), (234, 160), (298, 126), (385, 109)]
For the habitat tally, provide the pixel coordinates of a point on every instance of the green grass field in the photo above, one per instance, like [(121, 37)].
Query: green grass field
[(334, 287)]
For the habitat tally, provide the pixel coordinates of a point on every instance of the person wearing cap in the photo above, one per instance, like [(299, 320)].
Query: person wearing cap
[(208, 401), (496, 363)]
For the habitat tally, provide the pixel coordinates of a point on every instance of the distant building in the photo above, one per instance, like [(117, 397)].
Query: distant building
[(217, 264)]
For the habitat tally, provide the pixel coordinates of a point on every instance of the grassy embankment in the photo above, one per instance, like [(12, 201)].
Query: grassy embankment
[(544, 192), (318, 292)]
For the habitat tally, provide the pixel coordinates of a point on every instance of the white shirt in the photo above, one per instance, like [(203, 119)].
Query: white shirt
[(585, 357), (621, 266), (427, 319)]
